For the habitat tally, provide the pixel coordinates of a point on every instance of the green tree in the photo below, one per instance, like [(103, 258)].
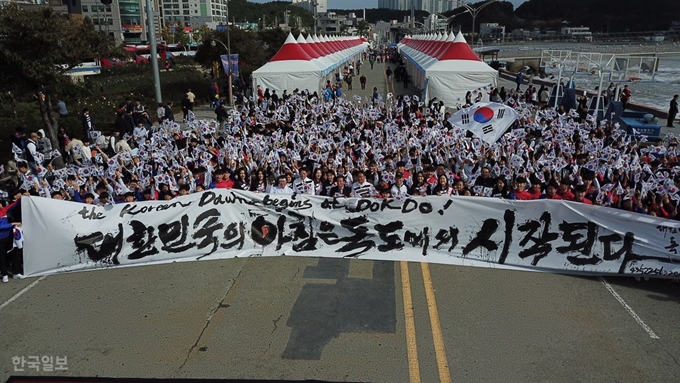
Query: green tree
[(363, 27), (254, 49), (181, 37), (167, 35), (202, 33), (37, 48)]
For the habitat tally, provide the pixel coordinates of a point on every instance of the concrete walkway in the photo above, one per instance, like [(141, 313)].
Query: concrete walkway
[(374, 78)]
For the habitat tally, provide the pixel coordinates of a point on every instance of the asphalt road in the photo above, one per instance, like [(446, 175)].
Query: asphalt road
[(340, 320)]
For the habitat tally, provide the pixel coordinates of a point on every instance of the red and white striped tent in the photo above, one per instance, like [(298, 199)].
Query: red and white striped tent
[(446, 66), (306, 64)]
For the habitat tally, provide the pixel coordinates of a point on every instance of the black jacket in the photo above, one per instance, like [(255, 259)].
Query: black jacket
[(221, 113)]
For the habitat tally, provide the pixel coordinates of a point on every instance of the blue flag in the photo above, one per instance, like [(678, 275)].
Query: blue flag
[(230, 64)]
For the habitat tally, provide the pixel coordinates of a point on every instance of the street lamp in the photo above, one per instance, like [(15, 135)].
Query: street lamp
[(213, 43), (474, 12)]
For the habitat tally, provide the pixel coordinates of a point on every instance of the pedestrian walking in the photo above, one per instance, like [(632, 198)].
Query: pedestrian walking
[(519, 79), (672, 111), (87, 122), (362, 81), (625, 96)]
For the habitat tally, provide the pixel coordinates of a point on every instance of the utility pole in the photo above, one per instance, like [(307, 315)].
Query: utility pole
[(231, 97), (154, 54), (316, 15)]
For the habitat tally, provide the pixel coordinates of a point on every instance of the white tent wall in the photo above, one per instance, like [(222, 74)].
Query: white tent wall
[(450, 79), (288, 75), (304, 74), (452, 87)]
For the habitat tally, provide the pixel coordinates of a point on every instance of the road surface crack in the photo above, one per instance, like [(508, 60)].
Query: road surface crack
[(209, 318), (276, 321), (271, 339), (673, 357)]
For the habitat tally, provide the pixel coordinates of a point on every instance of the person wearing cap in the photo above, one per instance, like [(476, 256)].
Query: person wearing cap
[(44, 146), (74, 150), (535, 189), (625, 96), (591, 188), (399, 189), (184, 190), (129, 197), (87, 122), (518, 192), (564, 190), (31, 152), (281, 187), (104, 199), (579, 195), (88, 198), (222, 180), (57, 195), (384, 192)]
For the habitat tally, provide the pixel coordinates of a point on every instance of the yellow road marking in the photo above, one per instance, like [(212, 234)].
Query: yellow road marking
[(439, 347), (410, 324)]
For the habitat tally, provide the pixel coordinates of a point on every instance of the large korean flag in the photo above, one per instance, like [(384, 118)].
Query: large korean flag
[(487, 120)]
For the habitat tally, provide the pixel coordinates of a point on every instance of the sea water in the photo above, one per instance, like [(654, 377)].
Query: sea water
[(656, 94)]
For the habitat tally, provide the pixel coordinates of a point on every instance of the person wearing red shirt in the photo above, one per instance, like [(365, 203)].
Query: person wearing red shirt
[(535, 189), (580, 193), (222, 181), (518, 192), (550, 191), (564, 190)]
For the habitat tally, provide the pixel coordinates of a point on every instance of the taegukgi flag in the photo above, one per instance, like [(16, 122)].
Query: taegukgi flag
[(487, 120)]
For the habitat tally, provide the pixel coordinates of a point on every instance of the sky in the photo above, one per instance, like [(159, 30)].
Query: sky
[(358, 4)]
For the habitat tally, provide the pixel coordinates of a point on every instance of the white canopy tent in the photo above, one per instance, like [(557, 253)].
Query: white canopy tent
[(290, 68), (446, 67), (306, 63)]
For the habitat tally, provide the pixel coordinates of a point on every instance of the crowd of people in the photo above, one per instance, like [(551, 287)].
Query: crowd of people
[(302, 143)]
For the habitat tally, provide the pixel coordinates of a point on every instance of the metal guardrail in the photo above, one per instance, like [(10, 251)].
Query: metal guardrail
[(525, 52)]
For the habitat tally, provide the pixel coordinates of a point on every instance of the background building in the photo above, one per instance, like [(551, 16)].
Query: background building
[(432, 6), (578, 33), (492, 30), (321, 5), (194, 13), (331, 23), (105, 18)]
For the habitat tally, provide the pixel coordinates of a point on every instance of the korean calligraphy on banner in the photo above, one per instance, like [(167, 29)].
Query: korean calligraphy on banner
[(543, 235)]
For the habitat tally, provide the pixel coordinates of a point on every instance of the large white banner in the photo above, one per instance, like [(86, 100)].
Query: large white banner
[(542, 235)]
